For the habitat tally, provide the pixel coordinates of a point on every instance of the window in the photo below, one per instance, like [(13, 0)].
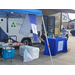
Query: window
[(64, 17), (51, 22), (57, 22)]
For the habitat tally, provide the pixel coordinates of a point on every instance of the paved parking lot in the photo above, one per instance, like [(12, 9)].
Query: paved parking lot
[(60, 58)]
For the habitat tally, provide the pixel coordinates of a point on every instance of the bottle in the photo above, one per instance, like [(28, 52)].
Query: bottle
[(62, 35), (53, 36), (50, 36), (9, 41), (25, 52), (12, 41)]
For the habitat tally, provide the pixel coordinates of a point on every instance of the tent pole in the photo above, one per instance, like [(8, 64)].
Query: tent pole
[(0, 32), (47, 40), (7, 27)]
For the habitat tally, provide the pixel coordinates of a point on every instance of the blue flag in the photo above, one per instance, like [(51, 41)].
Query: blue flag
[(34, 26)]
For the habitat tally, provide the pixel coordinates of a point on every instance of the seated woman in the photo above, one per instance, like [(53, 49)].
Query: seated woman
[(43, 37)]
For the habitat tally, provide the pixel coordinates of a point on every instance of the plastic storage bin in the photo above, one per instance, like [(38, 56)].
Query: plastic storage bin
[(21, 50), (8, 52), (33, 51)]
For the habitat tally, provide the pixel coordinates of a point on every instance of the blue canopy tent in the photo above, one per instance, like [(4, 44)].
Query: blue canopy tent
[(20, 13), (17, 13)]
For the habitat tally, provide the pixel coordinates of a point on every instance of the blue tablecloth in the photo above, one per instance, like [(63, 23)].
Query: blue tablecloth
[(56, 45)]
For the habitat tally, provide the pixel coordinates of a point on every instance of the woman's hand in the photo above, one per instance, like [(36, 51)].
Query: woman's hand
[(42, 40)]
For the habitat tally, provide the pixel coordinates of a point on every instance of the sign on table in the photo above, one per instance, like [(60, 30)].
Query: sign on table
[(60, 45)]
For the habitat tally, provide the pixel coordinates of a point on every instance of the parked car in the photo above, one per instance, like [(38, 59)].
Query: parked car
[(72, 32)]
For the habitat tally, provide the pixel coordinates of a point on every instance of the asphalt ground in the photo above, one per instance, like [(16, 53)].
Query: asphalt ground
[(60, 58)]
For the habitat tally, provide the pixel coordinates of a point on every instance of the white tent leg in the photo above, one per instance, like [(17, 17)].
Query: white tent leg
[(47, 40)]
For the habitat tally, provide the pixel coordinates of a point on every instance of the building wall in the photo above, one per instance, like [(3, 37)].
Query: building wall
[(65, 24), (65, 17), (65, 20), (71, 25)]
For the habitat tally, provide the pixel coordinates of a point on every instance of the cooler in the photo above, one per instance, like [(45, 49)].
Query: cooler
[(33, 51), (8, 52)]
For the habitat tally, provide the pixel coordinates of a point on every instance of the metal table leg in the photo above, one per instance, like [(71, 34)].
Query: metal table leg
[(11, 54), (5, 53)]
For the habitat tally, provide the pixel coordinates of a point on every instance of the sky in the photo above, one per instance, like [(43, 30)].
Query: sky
[(72, 16)]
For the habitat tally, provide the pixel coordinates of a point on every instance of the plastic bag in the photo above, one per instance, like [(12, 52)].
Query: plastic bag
[(27, 57)]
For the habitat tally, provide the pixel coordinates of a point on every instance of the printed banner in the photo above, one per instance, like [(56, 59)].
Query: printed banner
[(34, 26)]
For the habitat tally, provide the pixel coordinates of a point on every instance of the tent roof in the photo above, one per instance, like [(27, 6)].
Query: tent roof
[(54, 11), (22, 12), (18, 12), (64, 10)]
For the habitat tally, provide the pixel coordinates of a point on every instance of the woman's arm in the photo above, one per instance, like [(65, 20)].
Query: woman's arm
[(42, 40)]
